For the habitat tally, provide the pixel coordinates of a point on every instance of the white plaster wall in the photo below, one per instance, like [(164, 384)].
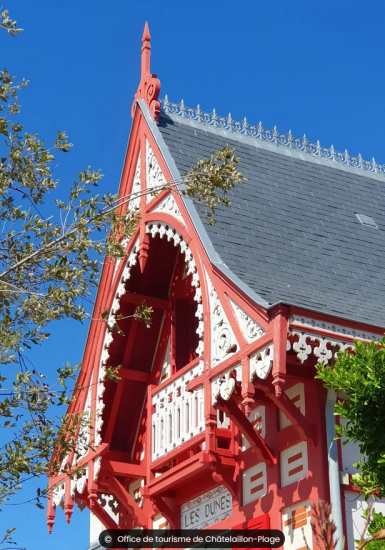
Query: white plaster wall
[(350, 455), (354, 509), (96, 527)]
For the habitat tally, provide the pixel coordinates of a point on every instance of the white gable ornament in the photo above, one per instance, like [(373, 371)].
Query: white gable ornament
[(134, 203), (261, 362), (155, 177), (224, 384), (169, 206), (251, 330), (223, 340)]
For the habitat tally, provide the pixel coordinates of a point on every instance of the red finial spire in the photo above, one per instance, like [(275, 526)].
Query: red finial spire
[(149, 86), (146, 50)]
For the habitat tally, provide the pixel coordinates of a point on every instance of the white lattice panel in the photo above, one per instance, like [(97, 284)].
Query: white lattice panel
[(254, 483), (296, 394), (296, 525), (294, 464)]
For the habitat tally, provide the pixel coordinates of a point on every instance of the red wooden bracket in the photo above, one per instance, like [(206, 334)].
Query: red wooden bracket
[(225, 476), (244, 426), (138, 299), (124, 469), (127, 501), (167, 508), (299, 422)]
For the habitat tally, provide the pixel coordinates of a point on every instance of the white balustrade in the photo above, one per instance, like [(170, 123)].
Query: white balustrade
[(179, 414)]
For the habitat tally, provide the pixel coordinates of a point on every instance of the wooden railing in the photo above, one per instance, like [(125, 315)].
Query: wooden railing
[(179, 414)]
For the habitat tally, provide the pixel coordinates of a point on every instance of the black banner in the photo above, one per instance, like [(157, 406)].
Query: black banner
[(199, 538)]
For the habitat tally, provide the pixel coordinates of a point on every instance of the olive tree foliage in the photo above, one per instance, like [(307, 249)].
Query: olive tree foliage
[(49, 267)]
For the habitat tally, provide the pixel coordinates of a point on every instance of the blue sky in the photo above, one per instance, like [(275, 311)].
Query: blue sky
[(314, 68)]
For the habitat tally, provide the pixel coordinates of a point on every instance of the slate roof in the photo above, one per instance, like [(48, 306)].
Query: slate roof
[(291, 233)]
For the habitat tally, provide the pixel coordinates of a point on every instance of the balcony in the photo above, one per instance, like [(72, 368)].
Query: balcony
[(178, 415)]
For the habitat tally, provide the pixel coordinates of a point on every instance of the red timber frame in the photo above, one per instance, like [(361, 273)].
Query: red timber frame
[(215, 456)]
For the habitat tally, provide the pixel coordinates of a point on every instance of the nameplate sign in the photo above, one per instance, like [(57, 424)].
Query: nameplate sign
[(207, 509)]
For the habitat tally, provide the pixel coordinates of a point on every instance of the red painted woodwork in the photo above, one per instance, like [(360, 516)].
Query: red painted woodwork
[(149, 86), (215, 455), (235, 414)]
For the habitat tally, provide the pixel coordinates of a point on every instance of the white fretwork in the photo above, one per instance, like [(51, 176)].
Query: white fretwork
[(254, 483), (154, 174), (224, 384), (338, 330), (179, 414), (296, 394), (97, 467), (111, 506), (323, 350), (261, 362), (78, 484), (223, 340), (83, 439), (251, 330), (296, 526), (134, 203), (58, 494), (169, 206)]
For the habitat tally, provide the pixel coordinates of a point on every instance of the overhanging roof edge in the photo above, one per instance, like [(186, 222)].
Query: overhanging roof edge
[(206, 241), (311, 310)]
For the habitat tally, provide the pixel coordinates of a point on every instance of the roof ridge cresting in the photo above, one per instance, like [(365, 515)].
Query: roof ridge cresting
[(272, 136)]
